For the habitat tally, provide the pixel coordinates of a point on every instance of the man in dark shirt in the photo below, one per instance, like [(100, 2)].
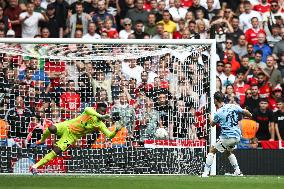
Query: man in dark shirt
[(13, 12), (252, 102), (138, 30), (18, 118), (165, 111), (196, 6), (264, 117), (279, 119), (237, 32), (52, 24)]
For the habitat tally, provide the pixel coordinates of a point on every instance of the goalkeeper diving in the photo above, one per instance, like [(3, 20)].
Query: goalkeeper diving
[(69, 131)]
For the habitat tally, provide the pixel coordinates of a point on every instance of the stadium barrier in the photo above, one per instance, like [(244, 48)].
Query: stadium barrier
[(254, 162)]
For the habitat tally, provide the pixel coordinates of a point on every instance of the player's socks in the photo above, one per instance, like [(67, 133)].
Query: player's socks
[(44, 136), (48, 157), (233, 160), (209, 162)]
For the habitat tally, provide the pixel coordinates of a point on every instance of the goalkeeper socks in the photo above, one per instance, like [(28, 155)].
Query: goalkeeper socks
[(51, 155), (233, 160), (209, 162), (45, 135)]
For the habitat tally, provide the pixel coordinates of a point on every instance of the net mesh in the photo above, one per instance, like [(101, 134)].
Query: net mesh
[(148, 86)]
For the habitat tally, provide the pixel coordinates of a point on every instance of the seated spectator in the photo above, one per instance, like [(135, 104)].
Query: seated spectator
[(227, 77), (44, 32), (261, 45), (138, 30), (270, 18), (280, 65), (101, 13), (131, 70), (245, 68), (111, 32), (148, 120), (272, 100), (144, 86), (274, 37), (252, 33), (245, 18), (250, 53), (236, 31), (279, 46), (272, 72), (240, 49), (264, 117), (220, 68), (240, 88), (264, 88), (150, 26), (165, 110), (100, 81), (138, 13), (4, 128), (123, 34), (79, 20), (258, 60), (249, 129), (91, 32), (159, 31), (262, 7), (147, 66), (169, 25), (54, 70), (201, 29), (85, 85), (30, 21), (279, 119), (230, 58), (69, 102), (126, 112), (212, 7), (230, 97), (196, 6), (177, 11), (52, 23), (37, 126), (18, 119), (252, 100), (182, 120)]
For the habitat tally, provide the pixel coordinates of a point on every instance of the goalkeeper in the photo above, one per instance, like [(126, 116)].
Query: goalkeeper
[(71, 130)]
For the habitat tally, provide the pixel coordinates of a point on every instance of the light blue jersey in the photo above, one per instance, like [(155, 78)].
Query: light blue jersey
[(227, 117)]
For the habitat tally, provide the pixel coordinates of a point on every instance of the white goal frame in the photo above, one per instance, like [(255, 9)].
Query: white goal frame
[(211, 42)]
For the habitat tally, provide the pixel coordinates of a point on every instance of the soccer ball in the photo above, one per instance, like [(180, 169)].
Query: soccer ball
[(161, 133)]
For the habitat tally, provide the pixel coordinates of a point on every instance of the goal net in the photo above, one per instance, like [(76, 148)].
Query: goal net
[(160, 90)]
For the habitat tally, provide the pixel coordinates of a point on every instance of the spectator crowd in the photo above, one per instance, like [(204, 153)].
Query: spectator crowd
[(147, 93)]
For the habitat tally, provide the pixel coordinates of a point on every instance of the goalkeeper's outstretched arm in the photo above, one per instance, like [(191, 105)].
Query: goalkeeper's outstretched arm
[(107, 132), (93, 112)]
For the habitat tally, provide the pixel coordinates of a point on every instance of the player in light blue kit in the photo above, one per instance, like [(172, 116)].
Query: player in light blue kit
[(227, 117)]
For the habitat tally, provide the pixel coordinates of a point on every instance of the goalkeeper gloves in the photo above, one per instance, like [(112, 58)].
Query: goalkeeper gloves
[(104, 117), (119, 125)]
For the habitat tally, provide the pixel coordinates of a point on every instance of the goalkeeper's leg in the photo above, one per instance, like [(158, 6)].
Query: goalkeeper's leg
[(61, 146)]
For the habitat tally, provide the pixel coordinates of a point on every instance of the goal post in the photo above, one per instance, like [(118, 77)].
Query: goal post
[(150, 84)]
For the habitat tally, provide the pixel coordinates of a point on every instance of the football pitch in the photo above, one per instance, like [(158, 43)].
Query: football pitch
[(140, 182)]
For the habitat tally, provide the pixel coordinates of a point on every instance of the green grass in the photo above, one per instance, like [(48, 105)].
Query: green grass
[(140, 182)]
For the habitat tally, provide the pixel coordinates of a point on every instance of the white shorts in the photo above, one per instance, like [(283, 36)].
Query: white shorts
[(229, 144)]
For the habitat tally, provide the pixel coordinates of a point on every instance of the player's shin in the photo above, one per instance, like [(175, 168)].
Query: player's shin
[(209, 162), (233, 160), (48, 157)]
